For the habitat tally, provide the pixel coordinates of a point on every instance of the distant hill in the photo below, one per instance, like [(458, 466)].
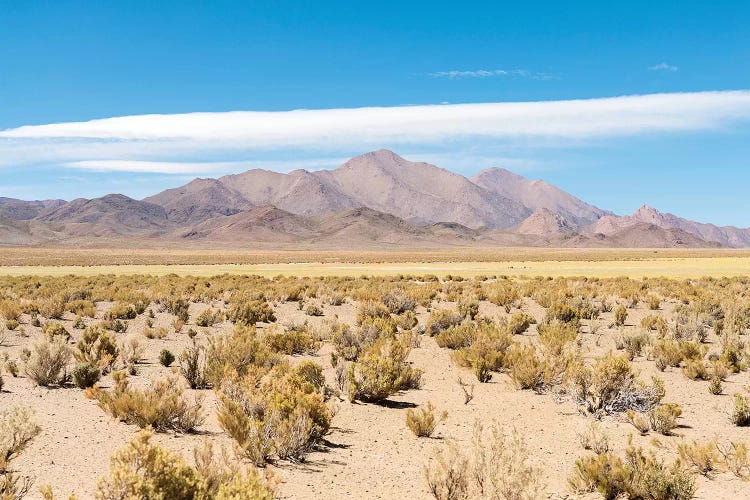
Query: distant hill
[(377, 199)]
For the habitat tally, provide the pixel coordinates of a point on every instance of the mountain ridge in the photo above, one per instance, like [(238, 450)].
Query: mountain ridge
[(375, 198)]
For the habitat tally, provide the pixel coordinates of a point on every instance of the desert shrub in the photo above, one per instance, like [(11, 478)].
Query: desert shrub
[(673, 352), (282, 414), (736, 458), (740, 415), (703, 457), (179, 307), (559, 311), (407, 320), (97, 347), (163, 406), (17, 429), (78, 323), (594, 438), (370, 310), (121, 310), (237, 352), (145, 470), (193, 366), (639, 476), (487, 349), (555, 335), (52, 308), (653, 302), (422, 422), (10, 309), (166, 357), (296, 340), (519, 322), (350, 343), (468, 309), (398, 302), (664, 417), (695, 369), (715, 386), (657, 323), (313, 310), (155, 333), (53, 328), (131, 351), (251, 312), (11, 324), (612, 386), (457, 336), (633, 343), (382, 371), (441, 320), (497, 466), (85, 375), (82, 308), (527, 367), (621, 315), (47, 362), (209, 317), (732, 357)]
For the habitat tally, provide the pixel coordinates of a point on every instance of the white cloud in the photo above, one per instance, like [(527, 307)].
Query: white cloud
[(198, 168), (170, 143), (663, 67), (486, 73)]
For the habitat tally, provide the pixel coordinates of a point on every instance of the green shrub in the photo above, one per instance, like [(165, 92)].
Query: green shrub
[(166, 357), (85, 375), (621, 315)]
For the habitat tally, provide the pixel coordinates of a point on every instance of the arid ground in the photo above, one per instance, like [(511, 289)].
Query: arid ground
[(688, 331)]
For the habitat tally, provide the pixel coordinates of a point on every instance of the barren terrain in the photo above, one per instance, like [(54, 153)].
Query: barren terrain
[(369, 452)]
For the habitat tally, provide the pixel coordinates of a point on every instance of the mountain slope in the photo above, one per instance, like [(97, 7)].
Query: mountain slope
[(421, 192), (725, 236), (544, 222), (537, 194), (111, 215), (199, 200), (12, 208)]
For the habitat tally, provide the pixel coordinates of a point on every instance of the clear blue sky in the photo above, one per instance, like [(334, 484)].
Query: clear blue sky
[(63, 61)]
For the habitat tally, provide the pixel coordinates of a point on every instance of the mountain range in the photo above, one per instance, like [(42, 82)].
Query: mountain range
[(378, 199)]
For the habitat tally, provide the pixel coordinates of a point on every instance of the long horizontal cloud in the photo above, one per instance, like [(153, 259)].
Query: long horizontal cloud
[(175, 138)]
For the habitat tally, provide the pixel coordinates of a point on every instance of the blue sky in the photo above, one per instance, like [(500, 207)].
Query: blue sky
[(681, 150)]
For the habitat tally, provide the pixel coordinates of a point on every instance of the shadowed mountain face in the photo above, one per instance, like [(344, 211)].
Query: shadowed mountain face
[(378, 198)]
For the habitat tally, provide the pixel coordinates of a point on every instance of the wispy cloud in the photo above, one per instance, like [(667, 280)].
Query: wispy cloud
[(172, 144), (487, 73), (663, 67), (200, 168)]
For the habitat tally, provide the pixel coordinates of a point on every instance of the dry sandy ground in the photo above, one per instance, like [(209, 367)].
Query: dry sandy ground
[(371, 454)]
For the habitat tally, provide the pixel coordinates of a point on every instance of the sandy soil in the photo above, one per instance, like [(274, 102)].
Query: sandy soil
[(371, 453)]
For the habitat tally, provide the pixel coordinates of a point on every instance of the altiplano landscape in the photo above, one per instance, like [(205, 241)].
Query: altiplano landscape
[(374, 250)]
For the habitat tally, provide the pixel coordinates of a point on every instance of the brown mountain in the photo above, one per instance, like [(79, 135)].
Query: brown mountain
[(537, 194), (12, 208), (545, 222), (109, 215), (421, 192), (381, 180), (199, 200), (725, 236), (376, 199)]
